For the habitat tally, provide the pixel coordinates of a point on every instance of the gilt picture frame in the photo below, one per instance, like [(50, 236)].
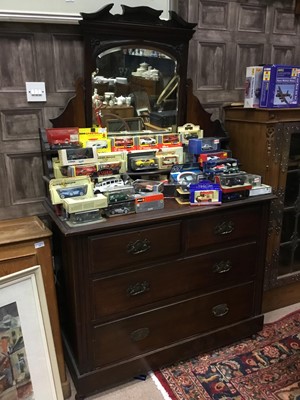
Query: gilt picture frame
[(28, 364)]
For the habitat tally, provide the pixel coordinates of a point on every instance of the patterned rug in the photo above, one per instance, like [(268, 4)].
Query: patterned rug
[(267, 366)]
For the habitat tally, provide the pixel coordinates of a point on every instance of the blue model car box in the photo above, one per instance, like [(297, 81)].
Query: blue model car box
[(280, 86)]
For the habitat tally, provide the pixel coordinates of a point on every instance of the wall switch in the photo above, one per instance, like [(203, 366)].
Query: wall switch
[(35, 91)]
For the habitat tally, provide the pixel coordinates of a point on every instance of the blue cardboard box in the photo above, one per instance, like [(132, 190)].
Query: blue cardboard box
[(280, 86)]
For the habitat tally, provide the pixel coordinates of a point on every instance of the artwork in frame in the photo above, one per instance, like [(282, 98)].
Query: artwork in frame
[(28, 364)]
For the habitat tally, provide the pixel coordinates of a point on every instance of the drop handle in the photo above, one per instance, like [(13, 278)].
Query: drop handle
[(222, 266), (139, 246), (220, 310), (138, 288), (224, 228)]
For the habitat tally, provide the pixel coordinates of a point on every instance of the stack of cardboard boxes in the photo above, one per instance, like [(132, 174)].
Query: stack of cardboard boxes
[(272, 86)]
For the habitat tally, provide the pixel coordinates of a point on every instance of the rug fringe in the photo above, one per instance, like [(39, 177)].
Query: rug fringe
[(296, 311), (160, 387)]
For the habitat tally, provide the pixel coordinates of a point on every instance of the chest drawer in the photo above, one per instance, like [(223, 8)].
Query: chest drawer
[(134, 336), (210, 271), (224, 227), (130, 248)]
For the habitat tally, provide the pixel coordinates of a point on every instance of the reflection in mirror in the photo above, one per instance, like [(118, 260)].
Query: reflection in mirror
[(135, 82)]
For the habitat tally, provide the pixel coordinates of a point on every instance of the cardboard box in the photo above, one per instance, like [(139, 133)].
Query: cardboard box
[(253, 82), (280, 86)]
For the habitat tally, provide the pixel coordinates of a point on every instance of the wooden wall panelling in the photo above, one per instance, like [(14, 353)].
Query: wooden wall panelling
[(50, 53), (231, 35)]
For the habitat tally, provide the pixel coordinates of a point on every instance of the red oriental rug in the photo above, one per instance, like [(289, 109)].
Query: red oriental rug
[(267, 366)]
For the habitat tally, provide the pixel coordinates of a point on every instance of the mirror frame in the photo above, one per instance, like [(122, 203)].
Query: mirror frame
[(139, 27)]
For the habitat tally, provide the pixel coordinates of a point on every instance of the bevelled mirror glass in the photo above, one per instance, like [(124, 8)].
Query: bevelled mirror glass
[(134, 82)]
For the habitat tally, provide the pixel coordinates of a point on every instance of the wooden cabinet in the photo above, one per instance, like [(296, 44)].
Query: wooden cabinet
[(25, 242), (267, 142), (141, 291)]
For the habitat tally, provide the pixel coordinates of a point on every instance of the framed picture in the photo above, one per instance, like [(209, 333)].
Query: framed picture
[(28, 364)]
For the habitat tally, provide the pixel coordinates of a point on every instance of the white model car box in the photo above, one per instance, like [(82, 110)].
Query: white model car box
[(73, 205), (253, 82), (63, 188), (77, 156)]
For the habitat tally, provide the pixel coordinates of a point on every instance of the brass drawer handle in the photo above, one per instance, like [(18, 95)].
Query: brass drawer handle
[(139, 246), (138, 288), (222, 266), (139, 334), (220, 310), (224, 228)]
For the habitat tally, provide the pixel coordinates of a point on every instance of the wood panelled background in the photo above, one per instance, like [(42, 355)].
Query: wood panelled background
[(31, 53), (230, 35)]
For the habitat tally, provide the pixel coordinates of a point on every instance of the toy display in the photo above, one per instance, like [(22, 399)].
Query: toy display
[(142, 170)]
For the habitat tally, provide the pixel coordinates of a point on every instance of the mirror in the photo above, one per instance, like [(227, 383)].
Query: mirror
[(134, 82), (138, 57)]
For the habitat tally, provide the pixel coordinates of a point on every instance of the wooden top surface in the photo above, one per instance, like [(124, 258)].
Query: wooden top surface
[(22, 229)]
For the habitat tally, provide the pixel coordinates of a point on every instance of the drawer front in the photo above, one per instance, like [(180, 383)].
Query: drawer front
[(131, 337), (210, 271), (131, 248), (221, 228)]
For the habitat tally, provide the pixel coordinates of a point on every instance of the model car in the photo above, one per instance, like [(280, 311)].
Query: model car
[(234, 181), (124, 142), (100, 144), (72, 191), (118, 196), (107, 184), (85, 170), (170, 139), (169, 161), (119, 210), (143, 163), (207, 146), (147, 140)]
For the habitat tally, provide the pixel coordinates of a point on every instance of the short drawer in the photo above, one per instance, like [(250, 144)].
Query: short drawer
[(227, 226), (129, 248), (204, 273), (136, 335)]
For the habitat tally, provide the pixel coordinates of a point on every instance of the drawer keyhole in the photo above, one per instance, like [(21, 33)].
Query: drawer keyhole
[(138, 288), (222, 266), (220, 310), (224, 228), (139, 246)]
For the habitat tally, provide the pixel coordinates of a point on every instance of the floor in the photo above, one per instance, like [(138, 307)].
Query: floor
[(150, 389)]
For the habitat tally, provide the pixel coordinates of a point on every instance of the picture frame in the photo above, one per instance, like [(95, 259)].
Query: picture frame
[(28, 364)]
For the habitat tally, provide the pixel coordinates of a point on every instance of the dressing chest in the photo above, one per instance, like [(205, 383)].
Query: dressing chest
[(141, 291)]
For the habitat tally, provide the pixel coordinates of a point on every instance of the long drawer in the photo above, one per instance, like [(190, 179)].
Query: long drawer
[(129, 248), (141, 333), (230, 225), (204, 273)]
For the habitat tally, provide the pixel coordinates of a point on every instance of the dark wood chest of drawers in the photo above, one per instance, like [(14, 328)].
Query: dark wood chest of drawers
[(141, 291)]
